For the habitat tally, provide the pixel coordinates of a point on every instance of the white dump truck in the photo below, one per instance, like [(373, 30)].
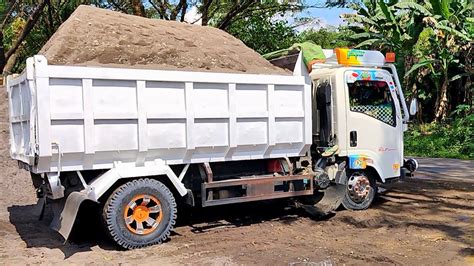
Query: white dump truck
[(137, 141)]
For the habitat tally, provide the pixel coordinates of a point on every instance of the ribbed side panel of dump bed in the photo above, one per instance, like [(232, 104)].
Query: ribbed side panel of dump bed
[(93, 117)]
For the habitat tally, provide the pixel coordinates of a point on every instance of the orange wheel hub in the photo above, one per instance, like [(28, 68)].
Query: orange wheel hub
[(143, 214)]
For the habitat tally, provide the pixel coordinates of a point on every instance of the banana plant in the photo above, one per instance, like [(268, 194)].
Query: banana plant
[(440, 56), (450, 43)]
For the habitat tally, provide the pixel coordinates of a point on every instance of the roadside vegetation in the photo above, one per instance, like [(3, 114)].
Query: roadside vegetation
[(443, 140), (433, 41)]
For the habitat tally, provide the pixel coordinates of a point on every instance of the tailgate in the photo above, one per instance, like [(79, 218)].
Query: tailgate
[(21, 114)]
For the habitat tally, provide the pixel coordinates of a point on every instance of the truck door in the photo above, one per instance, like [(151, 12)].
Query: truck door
[(374, 122)]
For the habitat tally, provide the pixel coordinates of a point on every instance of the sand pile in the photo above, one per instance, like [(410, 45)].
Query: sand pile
[(15, 184), (99, 37)]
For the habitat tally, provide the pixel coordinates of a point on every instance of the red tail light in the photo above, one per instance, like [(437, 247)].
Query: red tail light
[(274, 166)]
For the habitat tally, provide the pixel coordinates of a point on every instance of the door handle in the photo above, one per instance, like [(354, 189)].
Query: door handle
[(353, 138)]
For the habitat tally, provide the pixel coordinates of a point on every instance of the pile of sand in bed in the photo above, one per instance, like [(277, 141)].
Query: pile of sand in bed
[(100, 37)]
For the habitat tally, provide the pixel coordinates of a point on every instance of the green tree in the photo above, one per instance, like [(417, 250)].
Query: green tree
[(217, 13), (328, 38), (223, 13), (17, 22), (28, 24), (263, 34), (446, 51), (433, 41)]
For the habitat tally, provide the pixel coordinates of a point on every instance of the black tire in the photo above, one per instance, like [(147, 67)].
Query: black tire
[(349, 202), (117, 206)]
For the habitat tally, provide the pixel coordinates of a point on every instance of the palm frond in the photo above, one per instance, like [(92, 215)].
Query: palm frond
[(421, 64), (453, 31), (368, 42), (413, 6), (363, 35)]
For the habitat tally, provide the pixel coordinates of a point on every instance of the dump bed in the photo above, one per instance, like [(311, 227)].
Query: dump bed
[(77, 118)]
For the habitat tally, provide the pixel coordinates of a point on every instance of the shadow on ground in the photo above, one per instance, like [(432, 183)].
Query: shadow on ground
[(36, 233), (88, 230), (439, 205), (411, 205)]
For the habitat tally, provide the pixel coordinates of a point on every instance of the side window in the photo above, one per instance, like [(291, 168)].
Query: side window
[(372, 98)]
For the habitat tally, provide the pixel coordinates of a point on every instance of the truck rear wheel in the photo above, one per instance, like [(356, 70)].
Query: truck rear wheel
[(140, 213), (360, 192)]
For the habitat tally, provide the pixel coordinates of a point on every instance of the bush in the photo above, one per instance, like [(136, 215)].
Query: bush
[(447, 140)]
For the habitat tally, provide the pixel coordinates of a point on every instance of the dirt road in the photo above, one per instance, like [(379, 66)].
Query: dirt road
[(425, 220)]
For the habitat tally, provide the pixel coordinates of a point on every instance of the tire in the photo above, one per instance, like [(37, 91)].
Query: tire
[(352, 200), (142, 201)]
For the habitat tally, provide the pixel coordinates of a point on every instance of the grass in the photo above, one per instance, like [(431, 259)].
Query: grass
[(443, 140)]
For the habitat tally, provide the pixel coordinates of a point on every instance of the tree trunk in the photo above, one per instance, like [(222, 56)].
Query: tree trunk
[(235, 10), (50, 20), (138, 8), (7, 69), (183, 10), (205, 12), (178, 8), (160, 9), (3, 59), (442, 101), (30, 23)]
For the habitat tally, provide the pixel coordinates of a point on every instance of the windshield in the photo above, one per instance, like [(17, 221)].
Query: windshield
[(372, 98)]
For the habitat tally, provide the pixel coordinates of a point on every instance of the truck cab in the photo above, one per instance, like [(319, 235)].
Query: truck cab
[(359, 114), (367, 122), (359, 107)]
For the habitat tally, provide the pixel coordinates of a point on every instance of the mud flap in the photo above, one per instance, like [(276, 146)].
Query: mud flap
[(40, 208), (326, 201), (65, 212)]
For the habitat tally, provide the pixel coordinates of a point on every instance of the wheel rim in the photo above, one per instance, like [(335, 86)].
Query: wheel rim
[(358, 187), (143, 214)]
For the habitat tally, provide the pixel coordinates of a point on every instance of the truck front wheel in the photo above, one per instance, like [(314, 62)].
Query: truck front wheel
[(361, 189), (140, 213)]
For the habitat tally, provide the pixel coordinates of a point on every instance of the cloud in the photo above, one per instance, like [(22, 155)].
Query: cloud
[(193, 16), (313, 24), (298, 22)]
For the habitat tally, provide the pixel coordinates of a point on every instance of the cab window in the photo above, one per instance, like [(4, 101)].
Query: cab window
[(372, 98)]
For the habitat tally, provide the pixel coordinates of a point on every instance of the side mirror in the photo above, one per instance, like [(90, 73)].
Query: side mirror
[(413, 106)]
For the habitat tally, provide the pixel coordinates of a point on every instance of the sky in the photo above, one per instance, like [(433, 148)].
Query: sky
[(329, 16), (323, 17), (326, 16)]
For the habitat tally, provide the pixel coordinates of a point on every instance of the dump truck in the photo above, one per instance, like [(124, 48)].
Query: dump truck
[(138, 141)]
